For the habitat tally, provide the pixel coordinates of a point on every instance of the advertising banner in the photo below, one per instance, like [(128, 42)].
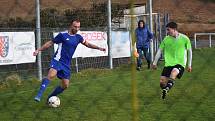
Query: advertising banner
[(17, 47), (121, 44)]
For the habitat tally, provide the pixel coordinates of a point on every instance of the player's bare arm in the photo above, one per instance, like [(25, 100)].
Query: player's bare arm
[(87, 44), (44, 47)]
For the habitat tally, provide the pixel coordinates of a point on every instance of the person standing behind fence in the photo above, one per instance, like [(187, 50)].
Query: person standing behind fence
[(176, 47), (61, 62), (143, 38)]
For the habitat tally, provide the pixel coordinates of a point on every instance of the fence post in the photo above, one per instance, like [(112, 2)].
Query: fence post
[(38, 37), (109, 36), (151, 29), (76, 64), (195, 41), (210, 40)]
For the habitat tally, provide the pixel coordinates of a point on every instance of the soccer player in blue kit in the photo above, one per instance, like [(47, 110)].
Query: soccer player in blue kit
[(61, 61)]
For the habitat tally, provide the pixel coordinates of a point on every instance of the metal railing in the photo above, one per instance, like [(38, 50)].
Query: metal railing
[(203, 34)]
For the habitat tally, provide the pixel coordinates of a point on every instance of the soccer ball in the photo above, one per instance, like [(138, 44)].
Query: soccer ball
[(54, 101)]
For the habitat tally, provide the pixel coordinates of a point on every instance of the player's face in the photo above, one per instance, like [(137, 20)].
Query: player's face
[(75, 27), (171, 31)]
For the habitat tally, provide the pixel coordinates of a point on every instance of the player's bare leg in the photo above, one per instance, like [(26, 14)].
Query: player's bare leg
[(170, 82), (172, 78)]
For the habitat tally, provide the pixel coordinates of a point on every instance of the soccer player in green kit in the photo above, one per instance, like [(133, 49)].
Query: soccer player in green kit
[(176, 47)]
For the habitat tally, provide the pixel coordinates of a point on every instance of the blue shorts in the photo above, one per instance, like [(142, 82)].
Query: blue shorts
[(63, 71)]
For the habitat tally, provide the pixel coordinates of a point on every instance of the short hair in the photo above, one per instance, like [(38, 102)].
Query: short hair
[(75, 19), (172, 25)]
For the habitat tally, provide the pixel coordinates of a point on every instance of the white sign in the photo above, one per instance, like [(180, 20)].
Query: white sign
[(17, 47), (95, 37), (120, 44)]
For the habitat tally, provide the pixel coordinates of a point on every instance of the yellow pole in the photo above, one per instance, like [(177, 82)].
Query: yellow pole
[(133, 66)]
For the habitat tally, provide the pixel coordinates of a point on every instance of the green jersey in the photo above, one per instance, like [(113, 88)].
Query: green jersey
[(175, 49)]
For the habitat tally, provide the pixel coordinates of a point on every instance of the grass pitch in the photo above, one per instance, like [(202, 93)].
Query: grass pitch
[(105, 95)]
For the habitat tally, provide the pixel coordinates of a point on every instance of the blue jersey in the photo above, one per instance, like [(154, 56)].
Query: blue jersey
[(143, 36), (67, 45)]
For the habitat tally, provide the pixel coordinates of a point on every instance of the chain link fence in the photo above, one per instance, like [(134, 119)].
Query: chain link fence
[(56, 16), (19, 16)]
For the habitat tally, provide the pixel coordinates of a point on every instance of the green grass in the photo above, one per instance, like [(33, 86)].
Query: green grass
[(106, 95)]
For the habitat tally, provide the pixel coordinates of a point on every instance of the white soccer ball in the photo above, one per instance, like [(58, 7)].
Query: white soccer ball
[(54, 101)]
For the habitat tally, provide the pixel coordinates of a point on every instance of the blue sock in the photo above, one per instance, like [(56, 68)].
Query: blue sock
[(57, 91), (43, 86)]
